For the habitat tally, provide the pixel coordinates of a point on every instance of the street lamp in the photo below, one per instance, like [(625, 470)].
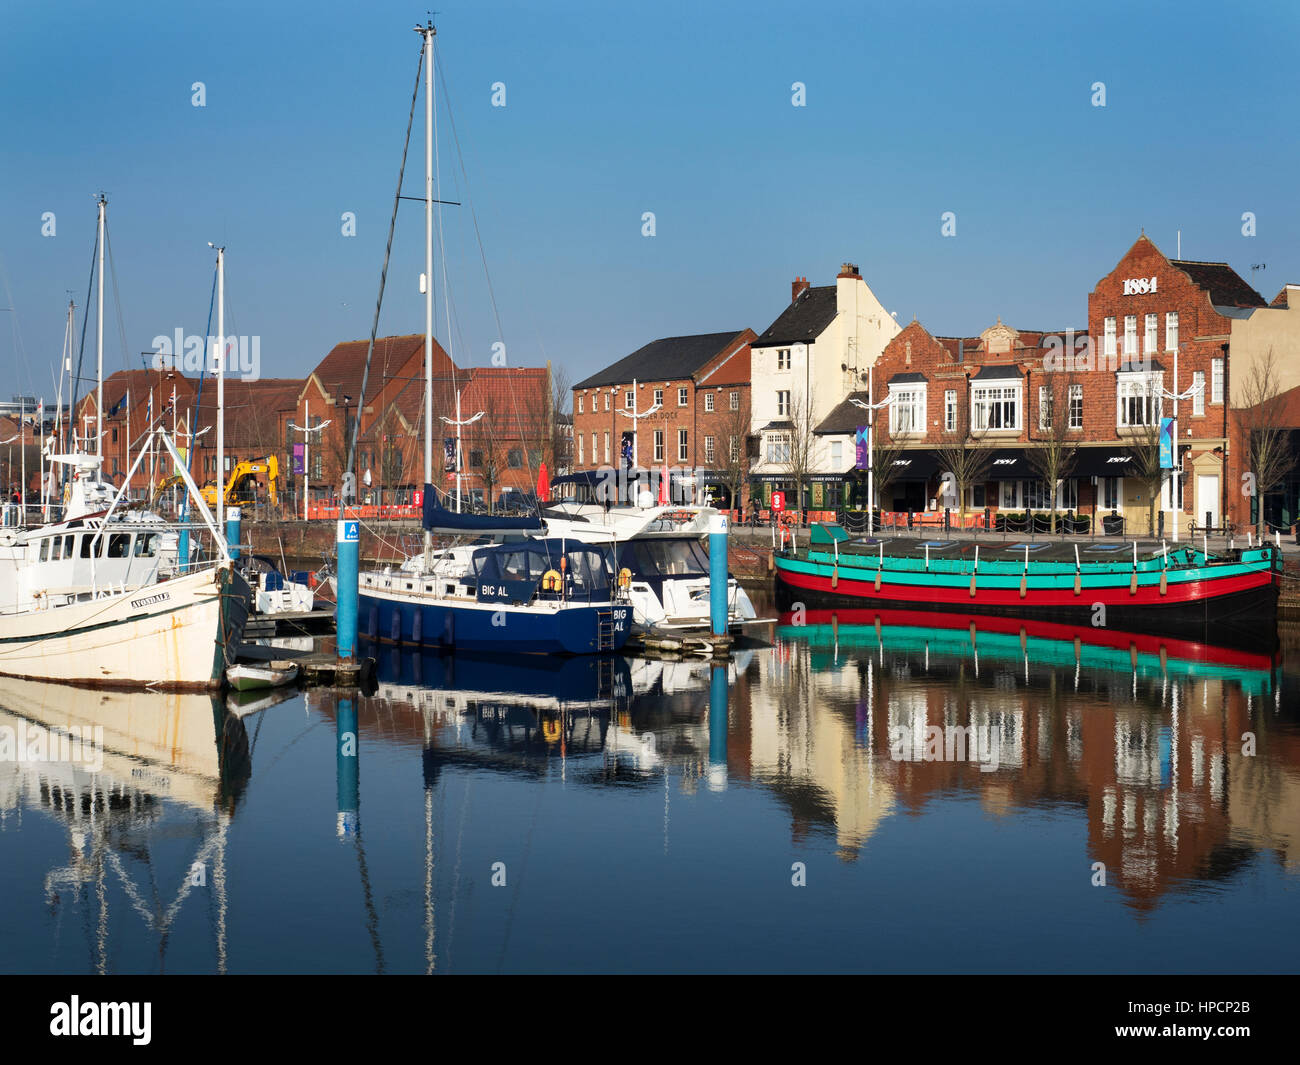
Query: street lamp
[(306, 431), (636, 417), (458, 423), (871, 409)]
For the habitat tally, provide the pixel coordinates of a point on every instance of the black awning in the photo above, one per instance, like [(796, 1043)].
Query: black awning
[(1009, 463), (1104, 462), (915, 464)]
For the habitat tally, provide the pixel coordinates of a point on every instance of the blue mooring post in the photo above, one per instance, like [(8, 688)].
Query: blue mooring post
[(718, 728), (349, 549), (718, 573), (183, 543), (232, 531), (348, 769)]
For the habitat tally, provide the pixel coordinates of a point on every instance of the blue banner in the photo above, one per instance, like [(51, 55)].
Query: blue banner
[(1166, 443), (860, 438)]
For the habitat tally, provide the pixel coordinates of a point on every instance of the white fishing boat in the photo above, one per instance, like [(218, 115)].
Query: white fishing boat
[(253, 676)]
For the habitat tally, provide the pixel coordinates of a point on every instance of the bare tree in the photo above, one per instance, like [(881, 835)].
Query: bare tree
[(732, 451), (803, 442), (1054, 457), (1268, 440), (965, 456)]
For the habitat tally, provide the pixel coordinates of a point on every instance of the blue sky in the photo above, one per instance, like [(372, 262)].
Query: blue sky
[(613, 110)]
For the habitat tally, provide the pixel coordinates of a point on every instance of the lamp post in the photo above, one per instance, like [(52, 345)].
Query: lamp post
[(458, 423), (871, 409), (636, 418), (306, 431), (1175, 487)]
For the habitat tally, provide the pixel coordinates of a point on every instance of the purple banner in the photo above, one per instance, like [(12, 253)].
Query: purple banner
[(861, 462), (299, 459)]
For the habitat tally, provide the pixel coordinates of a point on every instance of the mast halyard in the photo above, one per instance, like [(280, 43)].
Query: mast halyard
[(99, 340), (428, 32)]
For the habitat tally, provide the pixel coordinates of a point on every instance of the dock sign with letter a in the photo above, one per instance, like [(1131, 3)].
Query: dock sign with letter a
[(349, 532)]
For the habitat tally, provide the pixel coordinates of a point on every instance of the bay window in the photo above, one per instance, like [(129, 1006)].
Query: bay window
[(995, 407), (907, 412), (1138, 400)]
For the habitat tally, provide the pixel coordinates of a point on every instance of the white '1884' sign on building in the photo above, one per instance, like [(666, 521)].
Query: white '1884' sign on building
[(1136, 286)]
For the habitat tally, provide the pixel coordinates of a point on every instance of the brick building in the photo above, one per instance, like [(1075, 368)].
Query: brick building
[(701, 384), (1156, 327)]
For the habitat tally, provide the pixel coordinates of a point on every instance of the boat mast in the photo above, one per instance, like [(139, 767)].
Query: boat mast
[(99, 341), (428, 32), (221, 385)]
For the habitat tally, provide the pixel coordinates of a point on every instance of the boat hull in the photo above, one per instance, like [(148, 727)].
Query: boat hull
[(1243, 599), (572, 629), (176, 635)]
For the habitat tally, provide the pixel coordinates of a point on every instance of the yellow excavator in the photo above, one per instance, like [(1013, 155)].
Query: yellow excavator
[(241, 489)]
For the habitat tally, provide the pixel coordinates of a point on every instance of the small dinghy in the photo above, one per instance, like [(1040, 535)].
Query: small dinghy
[(250, 676)]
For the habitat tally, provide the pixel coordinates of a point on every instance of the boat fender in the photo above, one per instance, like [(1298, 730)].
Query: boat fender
[(835, 577), (395, 626), (1024, 586), (1078, 584), (1133, 584), (877, 580), (552, 581), (417, 627), (972, 586), (1164, 582), (372, 624)]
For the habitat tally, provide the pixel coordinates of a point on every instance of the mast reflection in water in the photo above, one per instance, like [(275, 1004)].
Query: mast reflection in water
[(953, 792)]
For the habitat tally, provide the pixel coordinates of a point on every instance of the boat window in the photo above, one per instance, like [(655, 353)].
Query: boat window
[(670, 558), (56, 549), (67, 545), (119, 545), (45, 550), (144, 545), (89, 544)]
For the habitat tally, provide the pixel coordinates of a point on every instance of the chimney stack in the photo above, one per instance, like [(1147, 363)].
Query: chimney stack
[(798, 287), (849, 270)]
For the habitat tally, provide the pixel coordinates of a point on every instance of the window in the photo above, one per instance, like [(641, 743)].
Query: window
[(317, 467), (607, 448), (579, 404), (1152, 339), (594, 453), (1198, 400), (950, 411), (995, 407), (1138, 399), (709, 455), (475, 459), (1110, 337), (778, 447), (659, 397), (607, 401), (735, 401), (515, 458), (659, 445), (45, 550), (1044, 408), (1130, 334), (837, 454), (1216, 380), (783, 404), (733, 449), (114, 431), (783, 358), (580, 458), (907, 412), (629, 400), (1035, 495), (1076, 407), (1110, 492), (682, 450), (1171, 331), (1010, 495), (708, 402), (681, 397), (1067, 495)]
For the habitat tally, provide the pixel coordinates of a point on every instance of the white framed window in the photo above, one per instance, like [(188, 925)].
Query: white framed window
[(629, 400), (708, 402), (1151, 342), (1009, 495), (1130, 334), (735, 401), (907, 412), (1138, 400), (594, 459), (1044, 408), (659, 445), (778, 447), (837, 454), (1198, 399), (950, 410), (733, 448), (1076, 407), (1110, 337), (683, 454), (783, 404), (1216, 380), (607, 449), (1171, 331), (1110, 493), (681, 397), (607, 395), (783, 358), (580, 404), (995, 407), (580, 458), (708, 449), (659, 396), (1067, 494)]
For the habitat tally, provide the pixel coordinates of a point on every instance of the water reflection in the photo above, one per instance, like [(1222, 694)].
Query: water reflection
[(118, 772)]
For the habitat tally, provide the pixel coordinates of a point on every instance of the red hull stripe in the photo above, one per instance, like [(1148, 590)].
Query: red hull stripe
[(1185, 592)]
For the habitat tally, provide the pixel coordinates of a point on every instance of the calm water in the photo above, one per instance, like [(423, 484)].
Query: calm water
[(637, 815)]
